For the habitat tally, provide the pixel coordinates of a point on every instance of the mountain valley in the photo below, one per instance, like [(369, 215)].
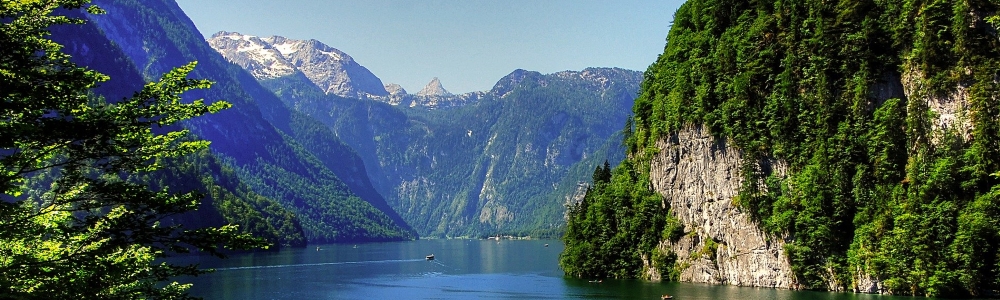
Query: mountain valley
[(503, 161)]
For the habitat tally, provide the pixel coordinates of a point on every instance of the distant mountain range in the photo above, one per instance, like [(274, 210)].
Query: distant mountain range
[(331, 70), (317, 149), (499, 161)]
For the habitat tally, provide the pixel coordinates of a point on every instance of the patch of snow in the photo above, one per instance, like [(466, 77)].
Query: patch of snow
[(334, 55), (250, 47), (286, 49)]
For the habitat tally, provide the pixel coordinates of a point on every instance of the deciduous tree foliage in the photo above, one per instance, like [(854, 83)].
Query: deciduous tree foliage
[(91, 233), (841, 90)]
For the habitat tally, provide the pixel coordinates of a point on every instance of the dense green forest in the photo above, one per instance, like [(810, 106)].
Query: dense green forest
[(618, 222), (224, 199), (227, 199), (883, 181)]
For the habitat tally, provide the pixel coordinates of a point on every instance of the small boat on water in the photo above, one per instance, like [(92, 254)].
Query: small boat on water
[(665, 297), (430, 257), (546, 245)]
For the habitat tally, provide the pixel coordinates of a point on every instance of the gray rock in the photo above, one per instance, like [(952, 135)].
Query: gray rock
[(252, 54), (951, 109), (395, 89), (434, 88), (332, 70), (699, 176)]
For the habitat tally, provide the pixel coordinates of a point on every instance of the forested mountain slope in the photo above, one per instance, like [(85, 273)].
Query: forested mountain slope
[(274, 152), (228, 200), (507, 163), (857, 140)]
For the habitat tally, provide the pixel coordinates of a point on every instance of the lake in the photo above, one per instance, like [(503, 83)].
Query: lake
[(463, 269)]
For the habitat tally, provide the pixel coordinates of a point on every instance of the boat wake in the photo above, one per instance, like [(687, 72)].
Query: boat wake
[(438, 263), (323, 264)]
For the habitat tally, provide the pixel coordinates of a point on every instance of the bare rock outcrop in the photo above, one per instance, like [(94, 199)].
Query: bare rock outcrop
[(699, 176)]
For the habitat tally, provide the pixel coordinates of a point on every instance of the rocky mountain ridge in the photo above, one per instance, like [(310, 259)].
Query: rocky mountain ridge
[(335, 72), (432, 96), (503, 163), (433, 88), (332, 70)]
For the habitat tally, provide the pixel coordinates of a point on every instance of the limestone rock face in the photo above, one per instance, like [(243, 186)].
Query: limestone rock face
[(434, 96), (433, 88), (951, 109), (395, 89), (699, 176)]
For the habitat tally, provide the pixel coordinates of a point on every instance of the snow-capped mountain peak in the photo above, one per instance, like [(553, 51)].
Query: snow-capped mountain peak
[(332, 70), (253, 54)]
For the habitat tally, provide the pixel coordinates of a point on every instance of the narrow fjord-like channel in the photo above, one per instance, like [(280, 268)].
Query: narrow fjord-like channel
[(462, 269)]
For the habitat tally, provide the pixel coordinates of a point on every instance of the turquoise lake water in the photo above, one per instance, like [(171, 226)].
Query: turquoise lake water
[(463, 269)]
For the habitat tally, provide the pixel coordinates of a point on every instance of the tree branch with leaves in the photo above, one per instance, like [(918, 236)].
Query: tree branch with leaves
[(90, 232)]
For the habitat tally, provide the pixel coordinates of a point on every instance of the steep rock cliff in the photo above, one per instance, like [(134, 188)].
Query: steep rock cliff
[(699, 176)]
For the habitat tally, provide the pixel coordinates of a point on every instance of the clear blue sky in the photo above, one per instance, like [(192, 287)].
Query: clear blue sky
[(468, 44)]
